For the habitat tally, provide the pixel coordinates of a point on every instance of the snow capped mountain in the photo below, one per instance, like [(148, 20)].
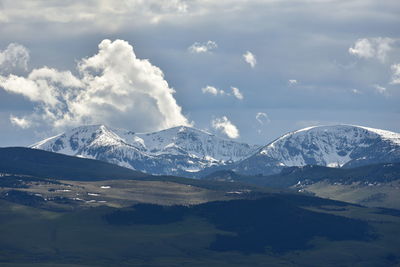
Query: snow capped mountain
[(186, 151), (332, 146), (171, 151)]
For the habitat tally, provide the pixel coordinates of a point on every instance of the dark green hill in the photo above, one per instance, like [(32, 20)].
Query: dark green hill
[(376, 173), (27, 161)]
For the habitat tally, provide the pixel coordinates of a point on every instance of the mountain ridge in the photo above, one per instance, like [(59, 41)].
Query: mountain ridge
[(191, 152), (171, 151), (45, 164), (332, 146)]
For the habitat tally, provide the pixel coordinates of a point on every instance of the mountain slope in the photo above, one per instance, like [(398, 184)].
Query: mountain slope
[(331, 146), (376, 185), (291, 176), (26, 161), (172, 151)]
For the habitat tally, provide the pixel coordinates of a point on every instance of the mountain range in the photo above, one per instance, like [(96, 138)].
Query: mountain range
[(177, 150), (191, 152)]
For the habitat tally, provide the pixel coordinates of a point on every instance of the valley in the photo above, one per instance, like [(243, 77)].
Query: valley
[(69, 195)]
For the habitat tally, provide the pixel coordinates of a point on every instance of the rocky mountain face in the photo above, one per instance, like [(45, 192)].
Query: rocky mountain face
[(174, 151), (332, 146)]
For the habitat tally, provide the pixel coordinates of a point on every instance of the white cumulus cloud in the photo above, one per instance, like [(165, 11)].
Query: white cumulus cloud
[(372, 48), (292, 82), (113, 87), (15, 56), (202, 47), (215, 91), (396, 74), (250, 58), (224, 125), (212, 90), (236, 93)]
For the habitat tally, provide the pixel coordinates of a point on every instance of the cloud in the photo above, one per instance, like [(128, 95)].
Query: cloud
[(14, 57), (202, 47), (250, 58), (215, 91), (396, 73), (356, 91), (380, 89), (46, 86), (225, 126), (114, 87), (104, 14), (212, 90), (236, 93), (152, 11), (372, 48), (20, 122), (292, 82), (262, 118), (306, 52)]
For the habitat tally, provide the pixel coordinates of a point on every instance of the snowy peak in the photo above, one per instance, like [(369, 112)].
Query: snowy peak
[(332, 146), (196, 142), (168, 151), (385, 135), (80, 139)]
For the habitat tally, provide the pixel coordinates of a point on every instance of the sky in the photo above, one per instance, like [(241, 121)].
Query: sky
[(244, 70)]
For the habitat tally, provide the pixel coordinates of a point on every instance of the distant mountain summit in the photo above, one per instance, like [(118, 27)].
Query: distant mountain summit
[(172, 151), (331, 146)]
